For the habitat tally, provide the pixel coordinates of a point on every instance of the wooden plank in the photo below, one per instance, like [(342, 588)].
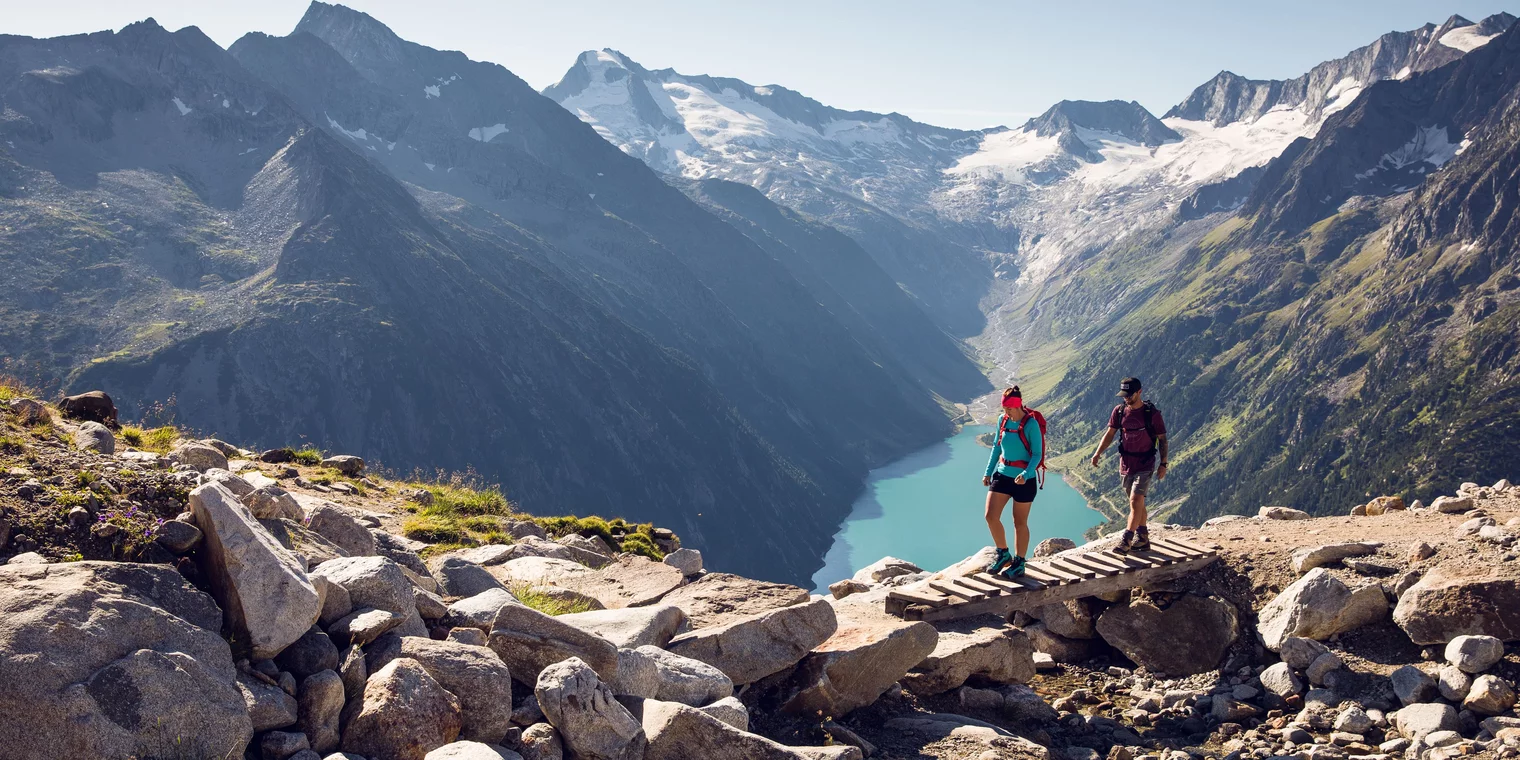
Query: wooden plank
[(1074, 569), (1028, 582), (1087, 564), (1190, 545), (1005, 584), (1033, 598), (1109, 563), (1170, 551), (979, 584), (951, 589), (1060, 575), (1043, 575), (914, 597), (1174, 550), (1130, 559), (1155, 556)]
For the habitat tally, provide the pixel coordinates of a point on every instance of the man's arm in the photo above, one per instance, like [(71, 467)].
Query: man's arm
[(1161, 442), (1108, 438)]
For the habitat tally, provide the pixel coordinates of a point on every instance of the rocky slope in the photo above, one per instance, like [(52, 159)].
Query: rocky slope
[(279, 614), (342, 235)]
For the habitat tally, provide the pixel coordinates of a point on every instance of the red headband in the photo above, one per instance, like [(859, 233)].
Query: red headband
[(1012, 402)]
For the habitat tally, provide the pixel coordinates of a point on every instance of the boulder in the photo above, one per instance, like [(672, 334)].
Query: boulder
[(106, 659), (471, 636), (312, 653), (631, 627), (1452, 505), (1416, 720), (529, 641), (403, 551), (468, 750), (229, 481), (593, 544), (846, 587), (1074, 618), (1319, 671), (1282, 513), (1474, 654), (1384, 505), (94, 406), (1490, 695), (1058, 647), (1308, 558), (592, 724), (378, 583), (719, 598), (336, 525), (886, 567), (678, 732), (1052, 546), (1189, 636), (347, 464), (538, 571), (177, 537), (1420, 550), (322, 699), (363, 626), (354, 671), (474, 674), (404, 714), (280, 745), (30, 411), (1444, 605), (268, 599), (198, 456), (1318, 606), (479, 611), (1300, 652), (93, 436), (637, 675), (535, 546), (273, 503), (868, 653), (987, 649), (540, 741), (1280, 679), (1412, 685), (629, 581), (751, 648), (490, 554), (684, 680), (460, 577), (1453, 683), (269, 706), (729, 710), (688, 561), (429, 605)]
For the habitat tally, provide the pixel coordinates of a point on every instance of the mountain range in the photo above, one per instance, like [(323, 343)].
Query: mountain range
[(716, 306)]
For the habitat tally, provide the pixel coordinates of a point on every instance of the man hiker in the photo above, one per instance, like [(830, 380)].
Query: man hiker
[(1142, 435)]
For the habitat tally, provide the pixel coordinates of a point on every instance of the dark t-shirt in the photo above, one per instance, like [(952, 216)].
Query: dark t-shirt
[(1132, 436)]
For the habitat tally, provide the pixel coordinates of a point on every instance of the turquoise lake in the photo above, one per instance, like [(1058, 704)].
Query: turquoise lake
[(927, 508)]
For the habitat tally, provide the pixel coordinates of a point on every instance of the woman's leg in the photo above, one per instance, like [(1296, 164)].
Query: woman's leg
[(1021, 527), (995, 503)]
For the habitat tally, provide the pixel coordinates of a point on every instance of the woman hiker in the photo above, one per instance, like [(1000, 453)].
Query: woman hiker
[(1017, 451)]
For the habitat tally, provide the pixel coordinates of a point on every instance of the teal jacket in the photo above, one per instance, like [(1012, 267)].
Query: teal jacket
[(1012, 448)]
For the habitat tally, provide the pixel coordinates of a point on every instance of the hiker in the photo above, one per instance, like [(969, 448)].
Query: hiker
[(1142, 434), (1013, 472)]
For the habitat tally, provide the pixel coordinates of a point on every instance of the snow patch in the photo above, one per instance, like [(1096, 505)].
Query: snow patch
[(355, 134), (1430, 145), (1007, 155), (486, 134), (184, 110), (1465, 39), (429, 166), (1341, 95), (432, 91), (1403, 73)]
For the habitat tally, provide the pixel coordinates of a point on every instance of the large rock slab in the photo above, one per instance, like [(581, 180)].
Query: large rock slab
[(628, 581), (106, 659), (1318, 606), (1417, 720), (529, 641), (631, 627), (679, 732), (474, 674), (1474, 654), (93, 436), (322, 699), (1444, 605), (404, 552), (272, 502), (1189, 636), (1060, 648), (1310, 557), (684, 680), (985, 648), (751, 648), (592, 724), (868, 652), (264, 591), (404, 714), (377, 583), (338, 526), (538, 571), (198, 455), (479, 611), (1073, 618), (468, 750), (269, 707), (720, 598), (458, 576), (535, 546)]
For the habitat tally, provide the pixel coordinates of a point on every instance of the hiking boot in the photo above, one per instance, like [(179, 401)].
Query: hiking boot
[(1014, 569), (1126, 543), (999, 561), (1142, 542)]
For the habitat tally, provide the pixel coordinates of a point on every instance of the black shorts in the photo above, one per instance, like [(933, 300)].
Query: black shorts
[(1022, 493)]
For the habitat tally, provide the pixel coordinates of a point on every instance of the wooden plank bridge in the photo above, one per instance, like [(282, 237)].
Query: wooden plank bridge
[(1070, 575)]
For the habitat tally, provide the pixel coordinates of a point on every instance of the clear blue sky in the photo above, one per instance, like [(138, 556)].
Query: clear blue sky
[(961, 64)]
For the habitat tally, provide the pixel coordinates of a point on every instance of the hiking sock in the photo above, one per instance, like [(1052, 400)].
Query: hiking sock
[(999, 561), (1015, 568)]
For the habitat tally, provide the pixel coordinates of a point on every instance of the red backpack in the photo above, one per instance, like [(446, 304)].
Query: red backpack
[(1044, 446)]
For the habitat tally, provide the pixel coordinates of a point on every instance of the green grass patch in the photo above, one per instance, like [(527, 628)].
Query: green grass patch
[(546, 603), (158, 440), (12, 446), (462, 514), (308, 455), (636, 538)]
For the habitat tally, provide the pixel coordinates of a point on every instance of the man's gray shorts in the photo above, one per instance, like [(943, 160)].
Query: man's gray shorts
[(1137, 483)]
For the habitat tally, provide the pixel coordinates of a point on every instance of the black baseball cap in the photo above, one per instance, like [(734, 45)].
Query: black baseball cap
[(1129, 385)]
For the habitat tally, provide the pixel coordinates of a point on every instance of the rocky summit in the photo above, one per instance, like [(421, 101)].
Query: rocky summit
[(157, 604)]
